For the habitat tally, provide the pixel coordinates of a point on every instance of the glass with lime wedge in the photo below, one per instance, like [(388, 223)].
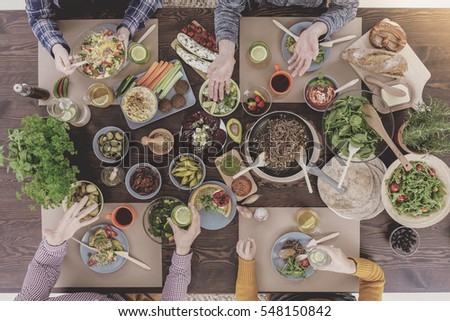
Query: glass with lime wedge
[(138, 54), (181, 216), (258, 52)]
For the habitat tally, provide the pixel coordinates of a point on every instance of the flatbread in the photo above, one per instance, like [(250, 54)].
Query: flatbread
[(194, 195), (358, 182), (380, 207)]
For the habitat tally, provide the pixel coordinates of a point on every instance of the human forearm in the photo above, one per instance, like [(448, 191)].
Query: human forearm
[(371, 280), (43, 272), (177, 282), (138, 12), (339, 14), (246, 286), (226, 20)]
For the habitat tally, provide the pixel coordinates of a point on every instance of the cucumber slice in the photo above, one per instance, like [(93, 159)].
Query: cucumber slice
[(66, 116)]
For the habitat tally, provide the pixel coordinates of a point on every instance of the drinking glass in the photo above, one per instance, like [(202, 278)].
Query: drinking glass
[(99, 95), (307, 221), (66, 110)]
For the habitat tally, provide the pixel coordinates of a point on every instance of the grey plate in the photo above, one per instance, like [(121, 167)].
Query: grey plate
[(108, 268), (212, 220), (278, 262), (189, 96), (295, 29)]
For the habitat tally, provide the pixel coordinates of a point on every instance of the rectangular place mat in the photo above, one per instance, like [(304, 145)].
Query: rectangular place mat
[(262, 28), (283, 220), (75, 274), (79, 84)]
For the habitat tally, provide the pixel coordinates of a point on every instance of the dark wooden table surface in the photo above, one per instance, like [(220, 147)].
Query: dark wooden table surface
[(214, 265)]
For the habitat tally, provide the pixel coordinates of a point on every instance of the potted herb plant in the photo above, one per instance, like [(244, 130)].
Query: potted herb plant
[(36, 153), (427, 129)]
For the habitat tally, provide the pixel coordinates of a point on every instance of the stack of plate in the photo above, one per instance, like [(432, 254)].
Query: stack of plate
[(363, 183)]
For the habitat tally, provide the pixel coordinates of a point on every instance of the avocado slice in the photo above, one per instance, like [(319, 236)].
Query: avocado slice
[(234, 129)]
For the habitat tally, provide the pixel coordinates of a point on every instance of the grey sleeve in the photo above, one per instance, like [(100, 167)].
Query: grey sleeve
[(339, 14), (226, 19)]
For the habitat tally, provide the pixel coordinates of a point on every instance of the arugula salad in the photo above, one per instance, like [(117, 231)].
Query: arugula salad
[(416, 193), (222, 107), (345, 124)]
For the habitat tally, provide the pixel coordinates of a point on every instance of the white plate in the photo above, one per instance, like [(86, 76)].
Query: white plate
[(442, 172)]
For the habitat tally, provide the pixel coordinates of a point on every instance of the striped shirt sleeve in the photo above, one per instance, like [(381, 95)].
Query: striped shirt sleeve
[(226, 19), (138, 12), (177, 282), (339, 13), (41, 17)]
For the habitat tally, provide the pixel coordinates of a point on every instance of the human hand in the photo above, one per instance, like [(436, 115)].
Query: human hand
[(221, 70), (124, 35), (340, 263), (306, 50), (246, 249), (63, 61), (185, 238), (70, 223)]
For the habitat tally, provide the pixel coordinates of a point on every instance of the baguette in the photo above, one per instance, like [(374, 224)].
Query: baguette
[(377, 61)]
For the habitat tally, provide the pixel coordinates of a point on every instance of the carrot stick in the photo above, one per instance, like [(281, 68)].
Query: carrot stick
[(147, 74), (161, 75), (155, 74)]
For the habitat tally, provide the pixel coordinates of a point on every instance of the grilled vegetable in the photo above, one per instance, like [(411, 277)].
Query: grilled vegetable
[(195, 48)]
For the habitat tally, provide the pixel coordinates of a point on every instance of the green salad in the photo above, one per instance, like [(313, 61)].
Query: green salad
[(290, 46), (293, 268), (157, 218), (345, 124), (222, 107), (416, 193)]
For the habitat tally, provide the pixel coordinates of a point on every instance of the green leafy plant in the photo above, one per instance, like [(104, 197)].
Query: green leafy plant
[(428, 129), (36, 153)]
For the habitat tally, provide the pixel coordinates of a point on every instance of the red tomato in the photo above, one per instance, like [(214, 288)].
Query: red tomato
[(305, 263), (432, 172), (221, 198), (394, 187), (184, 29), (419, 167), (401, 199)]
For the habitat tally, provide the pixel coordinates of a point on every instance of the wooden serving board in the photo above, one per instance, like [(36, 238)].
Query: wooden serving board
[(417, 75), (228, 179), (175, 43)]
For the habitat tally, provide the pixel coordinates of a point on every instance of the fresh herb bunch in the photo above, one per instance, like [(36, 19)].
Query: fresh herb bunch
[(37, 155), (428, 129)]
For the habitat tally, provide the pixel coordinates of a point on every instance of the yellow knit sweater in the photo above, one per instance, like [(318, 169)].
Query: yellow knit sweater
[(370, 274)]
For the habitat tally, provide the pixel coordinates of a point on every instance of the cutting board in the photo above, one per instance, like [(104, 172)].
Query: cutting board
[(75, 274), (283, 220), (79, 84), (417, 75)]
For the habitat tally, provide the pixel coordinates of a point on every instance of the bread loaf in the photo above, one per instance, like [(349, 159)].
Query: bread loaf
[(378, 61), (388, 35)]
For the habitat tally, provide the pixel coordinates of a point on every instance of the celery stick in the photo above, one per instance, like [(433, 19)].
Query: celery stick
[(170, 85), (162, 85)]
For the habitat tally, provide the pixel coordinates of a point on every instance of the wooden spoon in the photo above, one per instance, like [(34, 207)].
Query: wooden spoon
[(374, 121), (159, 140), (330, 43), (391, 90)]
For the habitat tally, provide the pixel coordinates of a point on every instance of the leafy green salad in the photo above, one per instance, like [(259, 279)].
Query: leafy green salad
[(221, 107), (345, 124), (416, 193)]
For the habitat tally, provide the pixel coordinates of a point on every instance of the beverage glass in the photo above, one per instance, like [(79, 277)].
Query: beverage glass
[(307, 221), (280, 82), (258, 53), (122, 216), (100, 95), (318, 257), (66, 110)]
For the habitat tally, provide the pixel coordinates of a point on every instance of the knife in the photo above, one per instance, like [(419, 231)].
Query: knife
[(286, 30), (119, 253)]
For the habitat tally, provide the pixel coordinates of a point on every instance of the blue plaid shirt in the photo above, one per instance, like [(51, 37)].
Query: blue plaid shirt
[(41, 16)]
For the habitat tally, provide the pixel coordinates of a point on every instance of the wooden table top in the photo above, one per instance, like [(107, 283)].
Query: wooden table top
[(215, 262)]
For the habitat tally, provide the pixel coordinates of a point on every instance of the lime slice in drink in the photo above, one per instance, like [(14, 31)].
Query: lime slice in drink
[(317, 257), (181, 216), (66, 116), (258, 54), (139, 54)]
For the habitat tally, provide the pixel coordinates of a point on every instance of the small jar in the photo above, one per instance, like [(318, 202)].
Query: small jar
[(112, 176)]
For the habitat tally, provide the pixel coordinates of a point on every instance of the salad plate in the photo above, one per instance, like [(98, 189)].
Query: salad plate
[(215, 203), (285, 264), (286, 42), (110, 265)]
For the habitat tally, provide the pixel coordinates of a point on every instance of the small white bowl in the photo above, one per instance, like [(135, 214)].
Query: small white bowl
[(174, 180), (96, 147), (238, 101), (130, 174)]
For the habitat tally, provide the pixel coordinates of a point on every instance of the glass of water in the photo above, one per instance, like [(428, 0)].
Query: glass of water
[(66, 110)]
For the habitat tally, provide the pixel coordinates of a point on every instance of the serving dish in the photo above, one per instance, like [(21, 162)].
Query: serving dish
[(278, 263), (187, 163), (108, 135), (319, 92), (189, 96), (78, 191), (295, 29), (214, 217), (442, 172), (106, 268), (223, 107), (156, 175)]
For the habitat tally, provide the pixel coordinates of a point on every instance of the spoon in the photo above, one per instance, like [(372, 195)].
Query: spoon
[(316, 171), (374, 121), (352, 150), (347, 85), (301, 160), (157, 140), (330, 43), (391, 90), (260, 161), (290, 33)]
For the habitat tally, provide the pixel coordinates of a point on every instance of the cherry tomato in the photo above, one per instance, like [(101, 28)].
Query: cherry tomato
[(401, 199), (199, 30), (432, 172), (305, 263), (419, 167), (393, 187), (425, 210), (184, 29)]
